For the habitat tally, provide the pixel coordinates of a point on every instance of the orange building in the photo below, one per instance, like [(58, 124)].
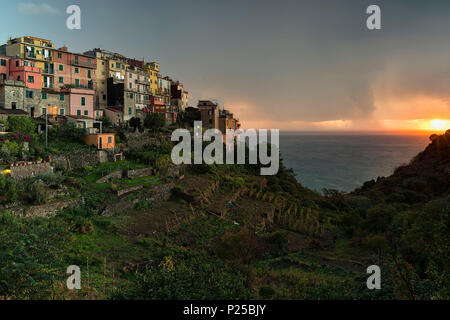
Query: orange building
[(101, 140)]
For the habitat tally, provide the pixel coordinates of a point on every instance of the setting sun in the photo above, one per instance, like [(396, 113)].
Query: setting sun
[(438, 124)]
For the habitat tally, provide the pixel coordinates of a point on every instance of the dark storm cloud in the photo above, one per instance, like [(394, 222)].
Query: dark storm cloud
[(279, 60)]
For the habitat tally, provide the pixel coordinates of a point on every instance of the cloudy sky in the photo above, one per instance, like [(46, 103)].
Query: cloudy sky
[(293, 65)]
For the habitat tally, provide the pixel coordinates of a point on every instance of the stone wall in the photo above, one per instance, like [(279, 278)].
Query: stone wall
[(145, 172), (12, 91), (128, 190), (77, 159), (46, 210), (30, 170)]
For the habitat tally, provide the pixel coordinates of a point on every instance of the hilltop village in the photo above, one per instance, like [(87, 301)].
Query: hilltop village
[(91, 89)]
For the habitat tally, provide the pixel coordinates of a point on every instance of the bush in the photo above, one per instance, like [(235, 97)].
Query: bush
[(197, 276), (36, 193), (8, 189), (72, 132), (154, 121), (22, 125), (266, 292)]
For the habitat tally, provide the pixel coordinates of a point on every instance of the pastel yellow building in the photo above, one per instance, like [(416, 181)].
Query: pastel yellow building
[(152, 70), (35, 49)]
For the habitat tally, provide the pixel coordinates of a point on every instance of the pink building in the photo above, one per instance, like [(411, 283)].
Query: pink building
[(21, 70), (81, 102), (74, 69)]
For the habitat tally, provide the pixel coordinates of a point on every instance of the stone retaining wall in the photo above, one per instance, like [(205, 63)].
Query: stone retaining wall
[(119, 174), (128, 190), (46, 210), (30, 170)]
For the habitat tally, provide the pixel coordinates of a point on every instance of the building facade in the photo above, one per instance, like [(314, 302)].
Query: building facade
[(37, 50)]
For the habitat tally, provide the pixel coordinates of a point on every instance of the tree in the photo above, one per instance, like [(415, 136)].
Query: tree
[(154, 121), (106, 122), (135, 123), (188, 116), (21, 125), (72, 132)]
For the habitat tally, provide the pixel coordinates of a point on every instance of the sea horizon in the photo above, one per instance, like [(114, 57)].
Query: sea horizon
[(344, 161)]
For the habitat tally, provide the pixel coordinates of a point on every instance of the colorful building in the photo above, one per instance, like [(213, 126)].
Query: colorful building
[(74, 70), (152, 70), (101, 140), (38, 50), (81, 101)]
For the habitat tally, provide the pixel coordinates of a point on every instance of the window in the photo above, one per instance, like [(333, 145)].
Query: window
[(78, 112), (89, 60), (103, 63), (3, 76), (86, 112), (103, 73), (59, 55), (61, 97), (117, 65), (61, 112), (61, 80), (25, 63), (130, 110), (77, 70), (3, 62), (89, 74), (83, 101), (29, 94), (104, 97), (18, 78), (90, 84), (131, 76), (76, 59), (31, 79), (44, 95), (109, 140), (77, 82), (61, 67), (131, 86), (44, 111), (123, 67), (17, 63)]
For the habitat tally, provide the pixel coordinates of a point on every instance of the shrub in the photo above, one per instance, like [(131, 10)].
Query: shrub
[(8, 189), (22, 125), (72, 132), (154, 121), (266, 292)]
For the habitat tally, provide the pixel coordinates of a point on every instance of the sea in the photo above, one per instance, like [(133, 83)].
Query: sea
[(344, 161)]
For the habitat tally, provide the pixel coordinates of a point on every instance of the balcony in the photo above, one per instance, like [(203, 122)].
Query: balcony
[(85, 64), (48, 71), (30, 55)]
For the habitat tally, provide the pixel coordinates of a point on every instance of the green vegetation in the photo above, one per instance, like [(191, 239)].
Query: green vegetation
[(225, 232)]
